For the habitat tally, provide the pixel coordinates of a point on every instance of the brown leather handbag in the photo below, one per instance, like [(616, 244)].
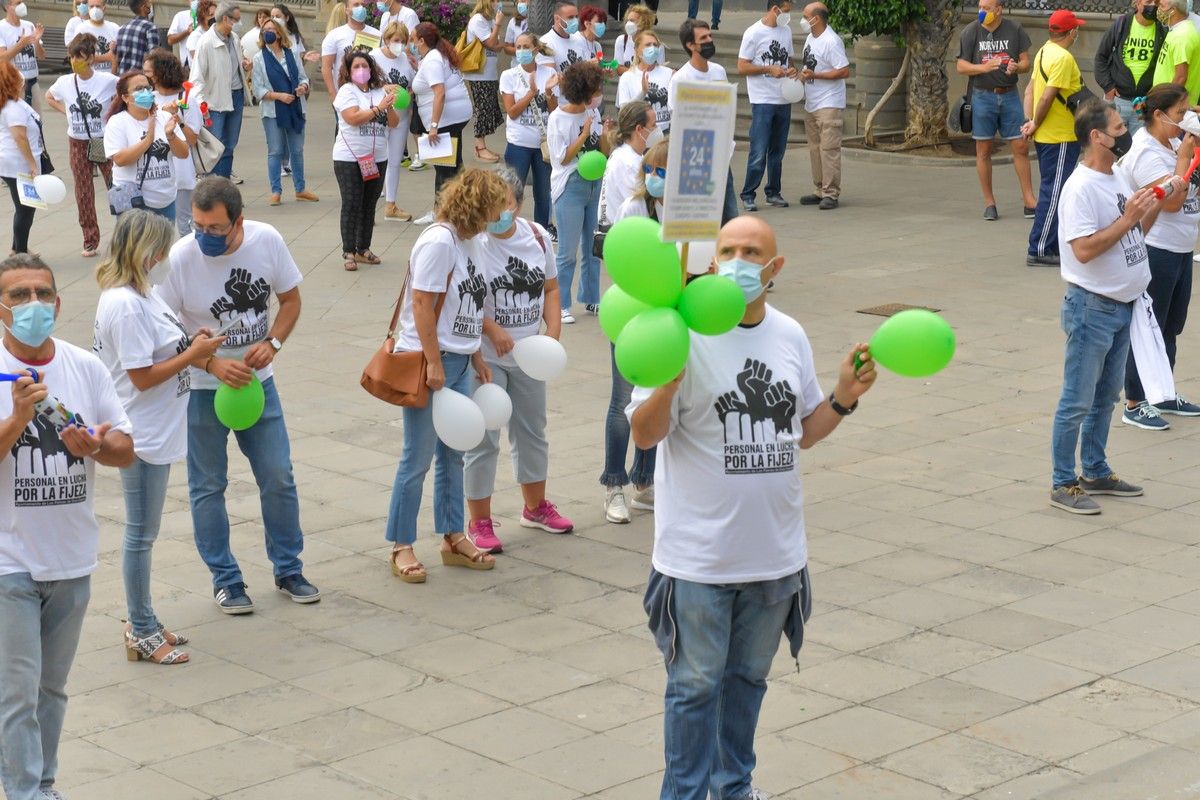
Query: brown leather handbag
[(399, 378)]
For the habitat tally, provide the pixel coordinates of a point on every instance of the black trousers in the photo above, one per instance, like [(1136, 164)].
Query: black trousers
[(443, 174), (359, 198), (22, 218), (1170, 290)]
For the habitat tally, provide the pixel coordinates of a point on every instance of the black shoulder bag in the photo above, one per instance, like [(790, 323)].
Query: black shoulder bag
[(1076, 99)]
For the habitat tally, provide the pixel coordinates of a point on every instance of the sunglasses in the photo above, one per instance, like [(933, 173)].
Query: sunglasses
[(659, 171)]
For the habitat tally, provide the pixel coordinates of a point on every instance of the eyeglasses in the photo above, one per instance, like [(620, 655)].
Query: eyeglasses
[(21, 296), (659, 171), (213, 230)]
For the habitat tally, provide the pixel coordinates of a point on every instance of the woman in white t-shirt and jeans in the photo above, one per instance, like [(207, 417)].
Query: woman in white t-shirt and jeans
[(527, 91), (366, 111), (1154, 159), (441, 96), (483, 86), (147, 352), (20, 148), (649, 80), (441, 314), (166, 72)]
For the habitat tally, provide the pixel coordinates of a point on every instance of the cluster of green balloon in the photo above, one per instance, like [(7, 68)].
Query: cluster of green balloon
[(239, 409), (403, 99), (592, 165), (915, 343), (647, 313)]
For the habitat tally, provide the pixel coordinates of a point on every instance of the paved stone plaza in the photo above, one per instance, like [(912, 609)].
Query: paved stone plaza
[(967, 640)]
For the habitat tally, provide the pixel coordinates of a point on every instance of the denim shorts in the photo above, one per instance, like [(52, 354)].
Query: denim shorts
[(991, 112)]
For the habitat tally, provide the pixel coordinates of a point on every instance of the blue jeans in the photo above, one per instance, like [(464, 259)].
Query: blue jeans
[(1056, 162), (165, 211), (421, 443), (1132, 119), (39, 633), (523, 160), (145, 487), (731, 210), (616, 437), (717, 5), (575, 213), (280, 144), (227, 126), (1097, 331), (726, 638), (769, 126), (265, 445)]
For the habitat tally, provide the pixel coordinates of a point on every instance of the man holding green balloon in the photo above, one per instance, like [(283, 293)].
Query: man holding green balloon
[(730, 557)]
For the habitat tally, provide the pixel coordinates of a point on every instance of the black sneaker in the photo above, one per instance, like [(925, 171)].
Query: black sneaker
[(750, 206), (991, 214), (1041, 261), (287, 170), (777, 201), (298, 588), (810, 200), (1030, 212), (232, 599), (828, 203)]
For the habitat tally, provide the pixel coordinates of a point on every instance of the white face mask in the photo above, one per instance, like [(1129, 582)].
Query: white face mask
[(804, 27), (281, 22), (630, 28), (783, 19), (96, 13), (653, 137), (21, 11)]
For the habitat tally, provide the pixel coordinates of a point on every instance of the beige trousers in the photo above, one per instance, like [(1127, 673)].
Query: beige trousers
[(824, 130)]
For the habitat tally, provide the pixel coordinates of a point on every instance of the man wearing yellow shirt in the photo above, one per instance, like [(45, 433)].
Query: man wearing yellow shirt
[(1127, 56), (1179, 60), (1052, 128)]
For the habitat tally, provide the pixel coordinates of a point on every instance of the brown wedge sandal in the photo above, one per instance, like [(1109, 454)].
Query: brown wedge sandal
[(409, 573), (459, 556)]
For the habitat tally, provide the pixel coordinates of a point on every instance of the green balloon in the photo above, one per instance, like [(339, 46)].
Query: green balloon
[(712, 305), (403, 98), (653, 347), (642, 264), (238, 409), (616, 309), (914, 343), (592, 165)]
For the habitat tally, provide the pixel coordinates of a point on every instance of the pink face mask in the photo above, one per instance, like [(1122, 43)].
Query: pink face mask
[(360, 75)]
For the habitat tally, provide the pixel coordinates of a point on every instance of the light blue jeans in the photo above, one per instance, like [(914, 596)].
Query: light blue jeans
[(726, 638), (39, 632), (145, 487), (421, 444), (265, 445), (1097, 331), (227, 126), (575, 212), (280, 144)]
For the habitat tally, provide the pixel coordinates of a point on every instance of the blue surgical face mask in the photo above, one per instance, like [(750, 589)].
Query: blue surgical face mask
[(211, 245), (600, 28), (81, 9), (524, 57), (383, 5), (649, 54), (143, 98), (269, 37), (501, 225), (746, 274), (656, 186), (33, 322), (359, 14), (522, 8), (572, 25), (412, 48)]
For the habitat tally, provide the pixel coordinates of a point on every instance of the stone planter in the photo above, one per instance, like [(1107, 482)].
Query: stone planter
[(876, 61)]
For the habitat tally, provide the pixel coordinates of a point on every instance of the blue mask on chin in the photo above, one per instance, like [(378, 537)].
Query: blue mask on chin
[(211, 245), (33, 322), (501, 225)]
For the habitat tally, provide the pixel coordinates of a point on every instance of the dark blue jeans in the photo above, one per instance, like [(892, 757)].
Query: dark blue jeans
[(1056, 162), (694, 9), (526, 159), (769, 125), (227, 126), (616, 437), (730, 211)]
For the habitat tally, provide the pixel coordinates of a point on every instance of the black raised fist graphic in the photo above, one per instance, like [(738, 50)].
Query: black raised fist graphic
[(243, 295), (159, 151), (781, 405), (656, 95), (776, 54), (754, 380), (474, 287)]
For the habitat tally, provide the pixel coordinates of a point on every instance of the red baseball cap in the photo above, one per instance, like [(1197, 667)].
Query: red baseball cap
[(1062, 21)]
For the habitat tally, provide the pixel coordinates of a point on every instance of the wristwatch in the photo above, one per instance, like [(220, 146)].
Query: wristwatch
[(840, 409), (277, 345)]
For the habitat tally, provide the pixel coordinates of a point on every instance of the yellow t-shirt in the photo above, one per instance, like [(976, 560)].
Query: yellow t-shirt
[(1139, 48), (1182, 46), (1062, 72)]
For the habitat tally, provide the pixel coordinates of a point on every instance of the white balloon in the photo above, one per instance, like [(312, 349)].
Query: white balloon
[(457, 421), (793, 90), (495, 404), (540, 357), (700, 256), (50, 188)]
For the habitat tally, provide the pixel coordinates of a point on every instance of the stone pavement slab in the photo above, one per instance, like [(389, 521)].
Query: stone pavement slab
[(969, 641)]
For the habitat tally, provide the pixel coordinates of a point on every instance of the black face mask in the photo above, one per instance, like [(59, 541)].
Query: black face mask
[(1150, 13), (1121, 144), (708, 50)]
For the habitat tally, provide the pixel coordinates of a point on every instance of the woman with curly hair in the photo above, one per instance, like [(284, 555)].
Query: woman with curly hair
[(365, 109), (441, 314)]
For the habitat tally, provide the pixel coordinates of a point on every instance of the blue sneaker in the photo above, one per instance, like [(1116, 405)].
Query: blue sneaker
[(232, 599), (1178, 406), (298, 588), (1145, 416)]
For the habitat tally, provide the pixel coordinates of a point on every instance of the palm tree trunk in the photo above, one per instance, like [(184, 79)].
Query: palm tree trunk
[(927, 40)]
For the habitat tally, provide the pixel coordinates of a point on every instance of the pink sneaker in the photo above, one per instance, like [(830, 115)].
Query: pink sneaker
[(546, 517), (483, 534)]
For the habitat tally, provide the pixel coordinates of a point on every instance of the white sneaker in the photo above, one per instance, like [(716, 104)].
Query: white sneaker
[(615, 509), (424, 219), (416, 166), (643, 500), (567, 317), (51, 794)]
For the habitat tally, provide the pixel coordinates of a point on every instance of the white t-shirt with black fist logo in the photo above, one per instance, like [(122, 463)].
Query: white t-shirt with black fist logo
[(440, 264), (1090, 202), (763, 46), (26, 58), (154, 170), (527, 129), (657, 93), (231, 290), (90, 97), (729, 498), (825, 53), (515, 270), (562, 129), (365, 139), (396, 71), (106, 40)]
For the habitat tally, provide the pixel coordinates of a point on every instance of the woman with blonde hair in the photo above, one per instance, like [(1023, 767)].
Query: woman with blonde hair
[(638, 18), (649, 79), (147, 352), (396, 63), (441, 314), (484, 27), (337, 17)]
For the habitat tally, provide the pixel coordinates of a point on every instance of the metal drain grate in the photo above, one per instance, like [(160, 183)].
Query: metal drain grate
[(888, 309)]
